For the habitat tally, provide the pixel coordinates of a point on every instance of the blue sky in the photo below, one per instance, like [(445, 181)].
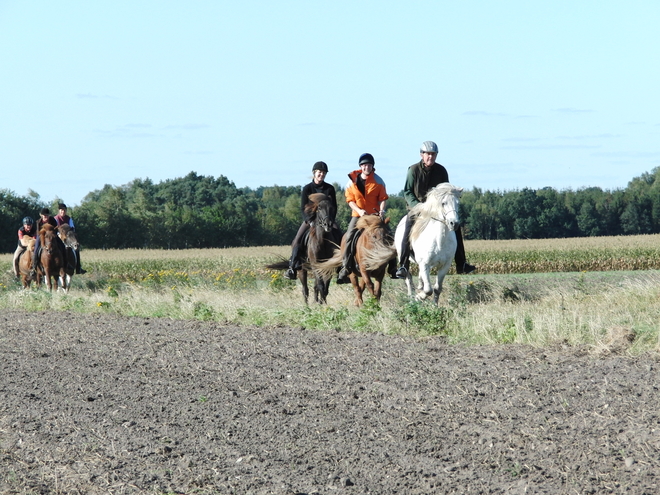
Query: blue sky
[(516, 93)]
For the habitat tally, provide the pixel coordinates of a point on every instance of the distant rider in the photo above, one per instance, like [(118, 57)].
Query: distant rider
[(63, 219), (44, 218), (25, 233)]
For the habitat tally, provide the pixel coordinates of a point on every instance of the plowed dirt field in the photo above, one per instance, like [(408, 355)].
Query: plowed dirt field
[(105, 404)]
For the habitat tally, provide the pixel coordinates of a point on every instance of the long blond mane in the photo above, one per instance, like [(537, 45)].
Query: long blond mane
[(432, 207)]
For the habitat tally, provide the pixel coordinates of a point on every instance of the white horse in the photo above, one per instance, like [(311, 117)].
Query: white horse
[(432, 238)]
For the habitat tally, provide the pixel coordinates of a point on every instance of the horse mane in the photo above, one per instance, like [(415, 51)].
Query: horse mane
[(312, 206), (370, 222), (426, 211), (317, 197), (45, 228), (380, 249)]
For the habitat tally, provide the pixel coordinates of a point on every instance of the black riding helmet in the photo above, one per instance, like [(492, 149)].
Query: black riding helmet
[(28, 221), (320, 166)]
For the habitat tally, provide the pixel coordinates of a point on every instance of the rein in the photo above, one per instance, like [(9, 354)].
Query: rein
[(444, 217)]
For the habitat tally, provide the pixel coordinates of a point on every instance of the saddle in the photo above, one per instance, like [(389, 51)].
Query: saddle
[(351, 242)]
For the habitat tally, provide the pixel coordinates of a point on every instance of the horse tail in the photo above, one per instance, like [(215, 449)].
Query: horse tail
[(379, 254), (327, 268), (283, 264)]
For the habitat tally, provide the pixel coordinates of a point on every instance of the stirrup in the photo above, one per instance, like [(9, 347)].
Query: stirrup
[(402, 272), (342, 277)]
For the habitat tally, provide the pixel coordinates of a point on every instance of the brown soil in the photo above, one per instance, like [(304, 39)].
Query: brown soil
[(104, 404)]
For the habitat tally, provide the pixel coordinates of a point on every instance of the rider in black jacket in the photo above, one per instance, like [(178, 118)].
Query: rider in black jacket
[(318, 185)]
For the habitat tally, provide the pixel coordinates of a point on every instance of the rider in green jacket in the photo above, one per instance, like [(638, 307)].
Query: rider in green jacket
[(420, 179)]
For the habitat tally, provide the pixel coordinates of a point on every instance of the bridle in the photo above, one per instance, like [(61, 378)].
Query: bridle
[(444, 213)]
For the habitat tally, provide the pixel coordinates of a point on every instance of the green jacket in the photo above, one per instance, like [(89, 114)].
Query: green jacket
[(420, 180)]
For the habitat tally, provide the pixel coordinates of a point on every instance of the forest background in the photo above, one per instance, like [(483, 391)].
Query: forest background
[(205, 212)]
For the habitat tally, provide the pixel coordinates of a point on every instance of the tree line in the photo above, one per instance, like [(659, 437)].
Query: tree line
[(206, 212)]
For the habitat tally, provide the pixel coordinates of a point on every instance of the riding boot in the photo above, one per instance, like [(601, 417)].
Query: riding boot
[(294, 264), (79, 269), (462, 266), (391, 268), (348, 263), (404, 259)]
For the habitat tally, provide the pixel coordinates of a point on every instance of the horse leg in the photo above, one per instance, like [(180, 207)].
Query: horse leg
[(425, 281), (378, 285), (358, 288), (302, 276), (49, 282), (63, 284), (437, 289), (326, 290), (320, 289), (409, 285), (366, 281)]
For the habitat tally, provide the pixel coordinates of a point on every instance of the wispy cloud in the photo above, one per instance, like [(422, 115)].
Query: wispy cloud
[(186, 127)]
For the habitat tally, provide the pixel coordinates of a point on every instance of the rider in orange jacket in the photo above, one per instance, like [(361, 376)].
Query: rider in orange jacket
[(366, 194)]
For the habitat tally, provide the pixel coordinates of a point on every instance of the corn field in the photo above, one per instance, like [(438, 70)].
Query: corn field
[(640, 252)]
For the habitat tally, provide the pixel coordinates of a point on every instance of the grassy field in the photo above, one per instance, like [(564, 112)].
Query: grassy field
[(599, 292)]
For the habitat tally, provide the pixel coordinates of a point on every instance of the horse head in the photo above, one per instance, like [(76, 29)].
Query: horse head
[(47, 234), (442, 204), (68, 237), (320, 210)]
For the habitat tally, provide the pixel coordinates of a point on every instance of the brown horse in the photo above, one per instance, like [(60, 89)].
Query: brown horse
[(373, 253), (25, 262), (52, 259), (320, 243)]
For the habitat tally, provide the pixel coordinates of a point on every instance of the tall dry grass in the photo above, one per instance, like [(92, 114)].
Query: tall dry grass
[(606, 311)]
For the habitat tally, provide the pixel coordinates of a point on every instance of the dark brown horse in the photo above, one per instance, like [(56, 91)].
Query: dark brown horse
[(373, 253), (52, 260), (320, 244), (71, 245)]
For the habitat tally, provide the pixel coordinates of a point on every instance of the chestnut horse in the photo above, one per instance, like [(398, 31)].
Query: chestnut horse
[(320, 243), (52, 260), (25, 262), (373, 253)]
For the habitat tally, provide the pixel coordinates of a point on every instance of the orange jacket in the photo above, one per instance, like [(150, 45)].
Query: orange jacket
[(375, 192)]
